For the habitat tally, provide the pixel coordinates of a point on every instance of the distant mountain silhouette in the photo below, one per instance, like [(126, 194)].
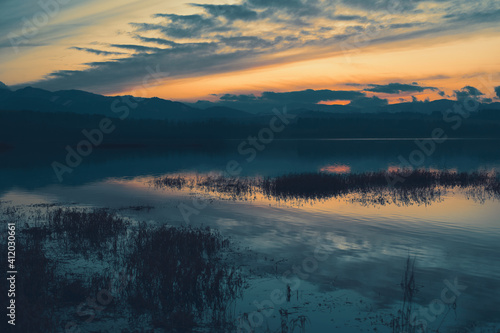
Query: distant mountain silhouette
[(307, 109), (3, 86), (82, 102)]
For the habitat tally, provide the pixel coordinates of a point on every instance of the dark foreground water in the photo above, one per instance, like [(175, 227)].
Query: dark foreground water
[(317, 234)]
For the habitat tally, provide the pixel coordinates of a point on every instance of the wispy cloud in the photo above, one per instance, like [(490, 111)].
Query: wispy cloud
[(230, 12), (303, 99), (136, 48), (221, 38), (312, 96), (95, 51), (368, 102), (468, 92), (397, 88)]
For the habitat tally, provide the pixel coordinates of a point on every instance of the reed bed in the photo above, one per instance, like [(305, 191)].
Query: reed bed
[(404, 187), (178, 278)]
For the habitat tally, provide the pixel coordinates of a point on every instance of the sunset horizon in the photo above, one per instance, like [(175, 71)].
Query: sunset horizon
[(190, 52), (250, 166)]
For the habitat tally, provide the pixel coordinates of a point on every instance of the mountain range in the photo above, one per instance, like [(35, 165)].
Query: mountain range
[(82, 102)]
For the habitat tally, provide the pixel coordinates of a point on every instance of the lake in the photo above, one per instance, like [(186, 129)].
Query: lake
[(323, 242)]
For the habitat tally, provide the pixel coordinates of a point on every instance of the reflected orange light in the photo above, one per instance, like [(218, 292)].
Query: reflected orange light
[(340, 169), (408, 96), (445, 65), (334, 102), (394, 169)]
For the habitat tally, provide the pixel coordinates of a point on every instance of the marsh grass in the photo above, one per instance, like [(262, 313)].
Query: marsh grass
[(415, 187), (178, 278), (86, 232), (289, 322), (88, 227), (233, 187), (404, 187), (403, 320), (35, 285)]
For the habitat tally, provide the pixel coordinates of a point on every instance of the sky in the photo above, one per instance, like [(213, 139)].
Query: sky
[(329, 52)]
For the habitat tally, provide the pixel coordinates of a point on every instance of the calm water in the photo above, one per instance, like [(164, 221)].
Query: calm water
[(342, 256)]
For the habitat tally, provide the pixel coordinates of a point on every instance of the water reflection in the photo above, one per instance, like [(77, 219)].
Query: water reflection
[(29, 169), (93, 270), (292, 197), (399, 187)]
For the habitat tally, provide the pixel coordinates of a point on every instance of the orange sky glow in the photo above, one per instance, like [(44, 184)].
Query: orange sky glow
[(288, 58)]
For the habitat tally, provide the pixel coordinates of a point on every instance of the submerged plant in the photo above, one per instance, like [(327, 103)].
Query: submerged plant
[(34, 285), (403, 322), (179, 276)]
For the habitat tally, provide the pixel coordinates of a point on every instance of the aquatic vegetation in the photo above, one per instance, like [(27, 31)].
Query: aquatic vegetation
[(403, 321), (177, 278), (180, 278), (138, 208), (289, 322), (35, 285), (92, 227), (233, 187), (404, 187), (87, 232)]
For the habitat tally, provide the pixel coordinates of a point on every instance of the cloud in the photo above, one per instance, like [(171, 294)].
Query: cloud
[(129, 73), (234, 43), (468, 92), (308, 96), (303, 99), (350, 18), (64, 73), (246, 42), (161, 41), (26, 20), (497, 91), (436, 77), (237, 98), (280, 4), (136, 48), (95, 51), (295, 8), (368, 102), (186, 26), (391, 6), (405, 25), (230, 12), (354, 29), (311, 96), (397, 88), (471, 17)]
